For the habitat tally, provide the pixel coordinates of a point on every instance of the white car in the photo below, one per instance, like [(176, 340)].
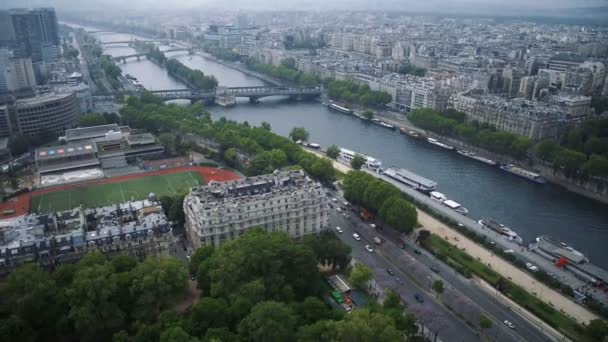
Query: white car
[(369, 249), (339, 230), (372, 225), (356, 236), (509, 324)]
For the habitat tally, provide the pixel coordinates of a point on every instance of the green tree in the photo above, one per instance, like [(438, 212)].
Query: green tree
[(265, 125), (209, 313), (230, 156), (399, 214), (310, 310), (485, 323), (321, 331), (364, 325), (547, 149), (168, 142), (267, 322), (333, 151), (357, 162), (268, 161), (360, 275), (596, 166), (368, 114), (438, 286), (298, 133), (93, 119), (597, 330), (175, 334), (569, 161)]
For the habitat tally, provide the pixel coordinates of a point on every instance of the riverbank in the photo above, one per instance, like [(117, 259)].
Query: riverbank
[(243, 69)]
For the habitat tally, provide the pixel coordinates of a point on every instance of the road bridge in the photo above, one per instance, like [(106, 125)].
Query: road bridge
[(139, 55)]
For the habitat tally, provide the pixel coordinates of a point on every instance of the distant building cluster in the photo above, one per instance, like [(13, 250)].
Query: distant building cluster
[(552, 69), (286, 201), (136, 228)]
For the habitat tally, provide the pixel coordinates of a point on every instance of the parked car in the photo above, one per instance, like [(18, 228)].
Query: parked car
[(509, 324), (419, 298), (389, 271), (339, 230), (356, 236), (416, 251), (372, 225), (377, 240), (435, 269), (368, 248)]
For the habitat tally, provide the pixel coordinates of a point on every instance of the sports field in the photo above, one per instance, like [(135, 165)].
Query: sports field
[(111, 193)]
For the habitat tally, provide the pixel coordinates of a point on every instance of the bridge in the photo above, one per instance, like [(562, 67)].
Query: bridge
[(139, 55), (226, 95)]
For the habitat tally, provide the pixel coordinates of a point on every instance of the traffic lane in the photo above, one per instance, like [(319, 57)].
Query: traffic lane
[(497, 311), (494, 307), (455, 329)]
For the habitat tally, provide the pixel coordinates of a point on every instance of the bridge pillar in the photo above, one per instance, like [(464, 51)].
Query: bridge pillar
[(254, 99), (138, 58)]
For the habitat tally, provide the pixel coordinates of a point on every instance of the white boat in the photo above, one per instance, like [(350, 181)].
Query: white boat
[(438, 196), (315, 146), (440, 144), (339, 108), (455, 206), (382, 123), (370, 162), (411, 179), (501, 229), (472, 155), (529, 175)]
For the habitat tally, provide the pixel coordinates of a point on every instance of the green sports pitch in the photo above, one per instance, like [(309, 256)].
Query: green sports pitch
[(99, 195)]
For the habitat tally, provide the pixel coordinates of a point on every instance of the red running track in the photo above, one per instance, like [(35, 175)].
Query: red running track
[(21, 203)]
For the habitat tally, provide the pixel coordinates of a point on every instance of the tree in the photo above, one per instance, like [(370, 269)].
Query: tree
[(299, 134), (547, 149), (175, 334), (168, 142), (333, 151), (268, 321), (365, 325), (360, 276), (357, 162), (312, 309), (321, 331), (399, 214), (230, 156), (368, 114), (597, 330), (485, 323), (265, 125), (209, 313), (93, 119), (438, 286)]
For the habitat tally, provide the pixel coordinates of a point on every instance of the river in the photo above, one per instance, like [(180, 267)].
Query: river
[(488, 192)]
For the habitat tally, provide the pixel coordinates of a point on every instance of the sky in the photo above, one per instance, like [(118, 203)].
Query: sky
[(470, 6)]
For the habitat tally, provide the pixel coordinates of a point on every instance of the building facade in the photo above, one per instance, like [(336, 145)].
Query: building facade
[(54, 113), (286, 201)]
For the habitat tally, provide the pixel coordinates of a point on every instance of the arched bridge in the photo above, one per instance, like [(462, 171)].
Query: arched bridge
[(253, 93)]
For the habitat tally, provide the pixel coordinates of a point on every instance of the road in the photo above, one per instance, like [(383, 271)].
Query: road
[(390, 255)]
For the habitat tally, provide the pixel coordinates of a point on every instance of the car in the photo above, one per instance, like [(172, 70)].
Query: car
[(369, 249), (377, 240), (434, 269), (416, 251), (389, 271), (509, 324), (188, 257), (339, 230), (372, 225), (334, 200), (338, 210), (419, 298), (356, 236), (345, 214)]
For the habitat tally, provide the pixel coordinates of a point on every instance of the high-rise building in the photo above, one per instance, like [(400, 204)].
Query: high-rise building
[(286, 201), (4, 57), (7, 33), (46, 19), (20, 74), (33, 31)]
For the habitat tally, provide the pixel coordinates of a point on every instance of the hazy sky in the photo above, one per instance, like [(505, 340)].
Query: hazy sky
[(472, 6)]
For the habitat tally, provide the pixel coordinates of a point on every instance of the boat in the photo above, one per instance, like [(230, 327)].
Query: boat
[(455, 206), (370, 162), (518, 171), (411, 179), (339, 108), (382, 123), (412, 134), (472, 155), (502, 230), (440, 144), (360, 116), (438, 196), (314, 146)]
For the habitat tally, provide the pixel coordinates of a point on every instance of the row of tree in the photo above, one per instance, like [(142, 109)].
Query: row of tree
[(452, 124), (582, 152), (196, 78), (382, 198), (286, 71), (265, 150), (354, 93), (96, 119)]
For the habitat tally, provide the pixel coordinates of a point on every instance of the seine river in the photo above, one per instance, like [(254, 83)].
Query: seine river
[(488, 192)]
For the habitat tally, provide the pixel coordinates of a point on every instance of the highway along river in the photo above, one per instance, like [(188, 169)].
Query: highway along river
[(488, 192)]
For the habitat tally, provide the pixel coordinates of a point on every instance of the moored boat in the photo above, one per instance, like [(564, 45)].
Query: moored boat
[(457, 207), (370, 162), (411, 179), (502, 230), (440, 144), (339, 108), (473, 155), (518, 171)]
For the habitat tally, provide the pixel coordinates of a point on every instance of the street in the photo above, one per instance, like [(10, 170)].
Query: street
[(389, 255)]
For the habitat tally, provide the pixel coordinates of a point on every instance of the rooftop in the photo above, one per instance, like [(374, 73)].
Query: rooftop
[(90, 132)]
